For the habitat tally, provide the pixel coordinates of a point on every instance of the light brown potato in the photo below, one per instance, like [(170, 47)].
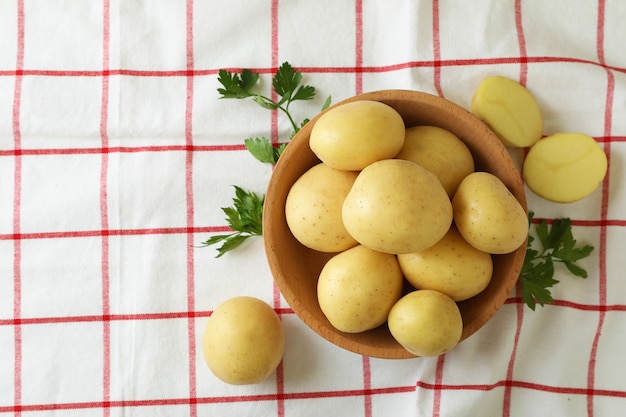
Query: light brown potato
[(357, 288), (397, 206), (313, 208), (565, 167), (509, 109), (439, 151), (243, 341), (426, 323), (452, 266), (488, 216), (353, 135)]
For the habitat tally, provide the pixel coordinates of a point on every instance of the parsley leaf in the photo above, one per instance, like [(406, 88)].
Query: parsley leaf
[(286, 83), (557, 246), (245, 219), (263, 150), (237, 85)]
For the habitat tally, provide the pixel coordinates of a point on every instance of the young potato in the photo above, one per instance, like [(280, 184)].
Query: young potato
[(353, 135), (565, 167), (357, 288), (426, 323), (439, 151), (397, 206), (509, 109), (313, 208), (488, 216), (243, 341), (452, 266)]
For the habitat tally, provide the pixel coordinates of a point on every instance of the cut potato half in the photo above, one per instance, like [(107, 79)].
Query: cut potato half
[(565, 167)]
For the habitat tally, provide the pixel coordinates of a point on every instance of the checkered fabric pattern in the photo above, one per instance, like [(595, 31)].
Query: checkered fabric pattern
[(116, 156)]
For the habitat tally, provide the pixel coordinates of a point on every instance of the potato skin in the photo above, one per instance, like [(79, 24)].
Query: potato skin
[(440, 152), (452, 266), (243, 341), (313, 208), (426, 323), (396, 206), (488, 216), (353, 135), (357, 288), (565, 167)]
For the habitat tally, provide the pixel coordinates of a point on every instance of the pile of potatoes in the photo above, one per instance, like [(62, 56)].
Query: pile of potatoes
[(397, 205)]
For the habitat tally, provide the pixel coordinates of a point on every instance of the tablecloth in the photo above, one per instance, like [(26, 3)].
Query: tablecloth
[(116, 156)]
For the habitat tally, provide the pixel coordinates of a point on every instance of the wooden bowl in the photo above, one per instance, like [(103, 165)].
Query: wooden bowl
[(296, 268)]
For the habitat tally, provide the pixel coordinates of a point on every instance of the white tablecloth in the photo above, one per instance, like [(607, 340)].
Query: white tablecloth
[(116, 157)]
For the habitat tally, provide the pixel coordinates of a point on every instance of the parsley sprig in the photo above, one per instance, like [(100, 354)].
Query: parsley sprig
[(245, 219), (246, 214), (557, 246), (287, 84)]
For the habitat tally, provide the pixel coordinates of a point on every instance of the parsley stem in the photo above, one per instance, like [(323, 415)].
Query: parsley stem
[(284, 109), (293, 123)]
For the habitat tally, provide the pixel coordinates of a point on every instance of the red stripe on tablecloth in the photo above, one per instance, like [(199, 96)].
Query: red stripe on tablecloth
[(506, 406), (310, 395), (181, 148), (521, 39), (116, 232), (576, 306), (367, 386), (602, 275), (358, 62), (104, 216), (437, 63), (191, 323), (117, 317), (22, 321), (437, 386), (274, 63), (358, 59), (107, 318), (205, 400), (122, 149), (437, 85), (506, 402), (17, 196), (280, 374), (274, 117), (526, 385), (210, 229)]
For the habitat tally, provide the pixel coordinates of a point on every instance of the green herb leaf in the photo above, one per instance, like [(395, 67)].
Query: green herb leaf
[(263, 150), (235, 85), (279, 150), (245, 219), (575, 269), (558, 246), (305, 92), (326, 105), (286, 84), (265, 102), (534, 292)]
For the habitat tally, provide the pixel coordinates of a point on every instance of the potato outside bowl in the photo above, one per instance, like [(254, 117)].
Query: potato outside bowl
[(296, 268)]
